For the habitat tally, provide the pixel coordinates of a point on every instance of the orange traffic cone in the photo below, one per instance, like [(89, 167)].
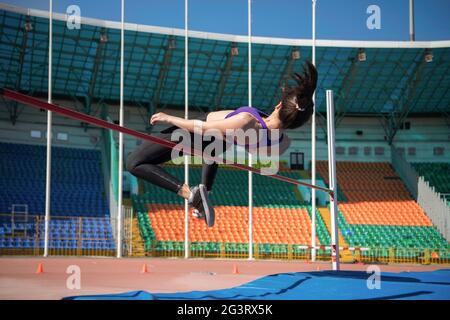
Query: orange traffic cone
[(144, 268), (40, 268), (235, 269)]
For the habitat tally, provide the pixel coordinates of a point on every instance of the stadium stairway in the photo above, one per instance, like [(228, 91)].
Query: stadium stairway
[(304, 174), (437, 174), (137, 243), (298, 195), (345, 255)]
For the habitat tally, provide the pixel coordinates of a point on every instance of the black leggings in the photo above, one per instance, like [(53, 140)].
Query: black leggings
[(145, 160)]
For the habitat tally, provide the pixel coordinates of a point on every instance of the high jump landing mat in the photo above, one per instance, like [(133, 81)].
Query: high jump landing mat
[(321, 285)]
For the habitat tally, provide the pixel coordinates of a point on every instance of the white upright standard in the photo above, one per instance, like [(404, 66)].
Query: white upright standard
[(48, 175), (250, 158), (186, 116), (120, 175), (332, 182)]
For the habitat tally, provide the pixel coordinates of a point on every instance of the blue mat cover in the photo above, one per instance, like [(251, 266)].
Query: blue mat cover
[(322, 285)]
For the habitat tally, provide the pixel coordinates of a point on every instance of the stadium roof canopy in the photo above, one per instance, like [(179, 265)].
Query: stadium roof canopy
[(395, 78)]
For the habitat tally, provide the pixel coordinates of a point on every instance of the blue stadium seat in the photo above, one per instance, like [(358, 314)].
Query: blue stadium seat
[(77, 191)]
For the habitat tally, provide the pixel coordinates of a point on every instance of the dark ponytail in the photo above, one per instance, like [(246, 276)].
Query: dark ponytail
[(296, 101)]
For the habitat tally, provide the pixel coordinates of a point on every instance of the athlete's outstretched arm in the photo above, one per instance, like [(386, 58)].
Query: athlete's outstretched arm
[(239, 121)]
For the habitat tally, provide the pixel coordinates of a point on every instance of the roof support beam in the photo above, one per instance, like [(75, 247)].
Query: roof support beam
[(146, 114), (346, 85), (344, 94), (153, 104), (286, 73), (14, 107), (164, 69), (404, 102), (94, 72), (321, 120), (224, 76), (447, 118)]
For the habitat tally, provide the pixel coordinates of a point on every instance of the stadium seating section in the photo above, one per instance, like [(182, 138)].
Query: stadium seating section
[(376, 210), (279, 217), (77, 182), (379, 211), (64, 234), (77, 191)]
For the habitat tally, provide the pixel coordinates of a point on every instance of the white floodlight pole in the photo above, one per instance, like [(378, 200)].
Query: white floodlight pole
[(48, 177), (313, 144), (250, 158), (333, 183), (412, 35), (186, 116), (120, 175)]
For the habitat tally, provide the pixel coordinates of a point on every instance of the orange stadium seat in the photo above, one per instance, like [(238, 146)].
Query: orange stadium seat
[(375, 195), (271, 225)]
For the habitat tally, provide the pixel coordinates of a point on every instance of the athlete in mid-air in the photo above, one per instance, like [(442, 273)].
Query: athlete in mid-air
[(293, 111)]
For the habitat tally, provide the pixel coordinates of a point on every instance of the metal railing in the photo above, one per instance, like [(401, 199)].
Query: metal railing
[(382, 255), (74, 236)]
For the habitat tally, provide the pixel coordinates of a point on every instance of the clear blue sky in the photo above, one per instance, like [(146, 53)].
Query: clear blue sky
[(336, 19)]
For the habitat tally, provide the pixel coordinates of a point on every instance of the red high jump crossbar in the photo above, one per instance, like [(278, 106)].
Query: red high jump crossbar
[(39, 104)]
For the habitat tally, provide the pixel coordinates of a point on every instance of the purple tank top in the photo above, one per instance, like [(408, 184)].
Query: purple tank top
[(257, 114), (253, 111)]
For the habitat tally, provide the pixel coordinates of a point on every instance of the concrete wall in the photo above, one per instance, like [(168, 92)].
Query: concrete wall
[(424, 135)]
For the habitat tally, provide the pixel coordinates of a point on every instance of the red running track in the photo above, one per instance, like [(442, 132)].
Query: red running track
[(18, 278)]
